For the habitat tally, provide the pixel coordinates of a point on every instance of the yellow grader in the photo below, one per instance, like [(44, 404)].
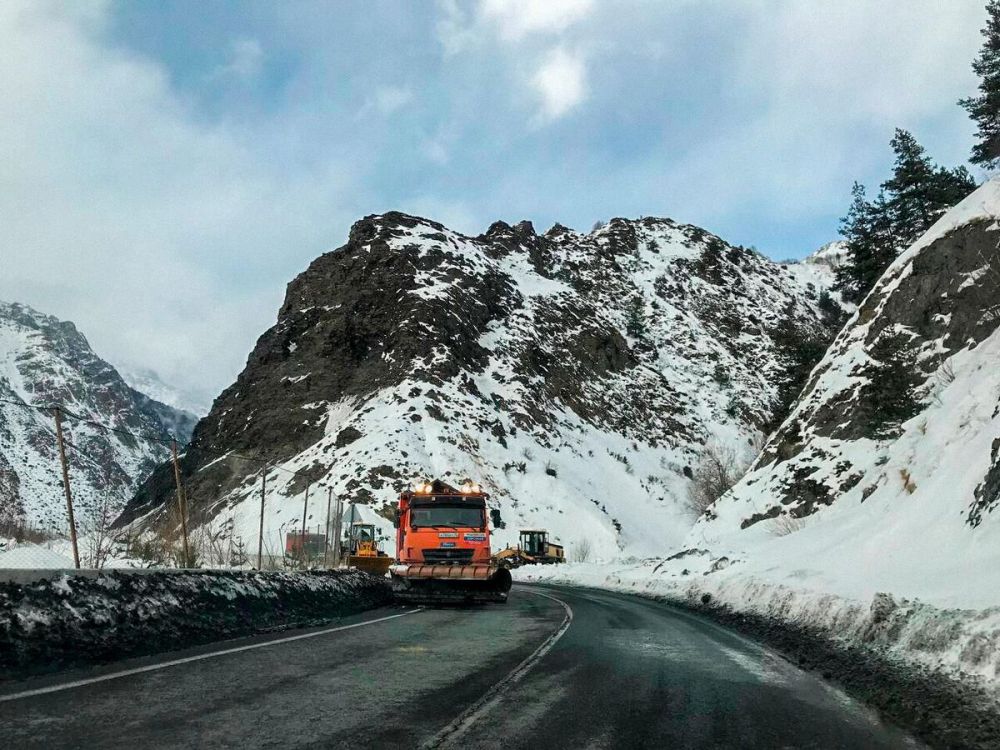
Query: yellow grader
[(534, 548)]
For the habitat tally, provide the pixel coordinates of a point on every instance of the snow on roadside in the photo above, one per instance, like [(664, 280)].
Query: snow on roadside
[(77, 620), (34, 556), (963, 643)]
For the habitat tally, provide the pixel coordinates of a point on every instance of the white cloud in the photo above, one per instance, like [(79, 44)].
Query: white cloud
[(455, 29), (561, 84), (516, 19), (246, 60), (166, 239), (557, 75), (168, 236), (826, 85), (435, 150), (385, 100)]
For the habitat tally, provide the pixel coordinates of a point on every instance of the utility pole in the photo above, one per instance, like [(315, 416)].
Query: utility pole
[(337, 532), (69, 495), (260, 533), (326, 547), (305, 510), (181, 502)]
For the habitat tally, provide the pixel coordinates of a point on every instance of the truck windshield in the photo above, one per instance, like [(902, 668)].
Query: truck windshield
[(451, 516)]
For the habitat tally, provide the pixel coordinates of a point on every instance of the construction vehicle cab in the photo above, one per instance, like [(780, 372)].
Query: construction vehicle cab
[(534, 542), (536, 545), (361, 539), (443, 547)]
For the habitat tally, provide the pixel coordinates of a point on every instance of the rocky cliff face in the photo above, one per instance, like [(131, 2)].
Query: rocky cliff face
[(577, 376), (890, 456), (45, 361)]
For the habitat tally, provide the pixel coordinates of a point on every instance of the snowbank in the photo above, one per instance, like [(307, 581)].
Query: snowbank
[(934, 671), (73, 620), (964, 643)]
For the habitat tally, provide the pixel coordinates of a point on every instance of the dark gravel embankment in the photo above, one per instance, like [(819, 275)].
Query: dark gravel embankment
[(74, 621), (935, 707)]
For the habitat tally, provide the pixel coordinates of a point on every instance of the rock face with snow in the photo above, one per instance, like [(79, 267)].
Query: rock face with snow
[(577, 376), (890, 459), (45, 361)]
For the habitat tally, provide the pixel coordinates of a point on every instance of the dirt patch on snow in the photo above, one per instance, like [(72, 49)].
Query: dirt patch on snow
[(74, 621)]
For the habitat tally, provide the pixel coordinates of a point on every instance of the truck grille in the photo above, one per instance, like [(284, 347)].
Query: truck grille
[(457, 556)]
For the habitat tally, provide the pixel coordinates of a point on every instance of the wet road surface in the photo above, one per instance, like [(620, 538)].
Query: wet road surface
[(556, 667)]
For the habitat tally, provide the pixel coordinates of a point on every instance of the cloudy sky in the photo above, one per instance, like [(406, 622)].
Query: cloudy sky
[(166, 168)]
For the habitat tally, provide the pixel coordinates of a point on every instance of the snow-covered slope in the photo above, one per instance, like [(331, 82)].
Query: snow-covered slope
[(149, 383), (833, 255), (886, 475), (45, 361), (577, 376)]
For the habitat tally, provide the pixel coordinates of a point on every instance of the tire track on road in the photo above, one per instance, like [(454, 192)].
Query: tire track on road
[(495, 694)]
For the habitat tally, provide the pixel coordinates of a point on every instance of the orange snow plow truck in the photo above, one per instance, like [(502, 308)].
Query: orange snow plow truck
[(443, 547)]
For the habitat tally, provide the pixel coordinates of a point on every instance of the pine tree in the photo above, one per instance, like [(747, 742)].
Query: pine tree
[(913, 187), (799, 347), (985, 108), (635, 322), (891, 393), (908, 204), (952, 186), (870, 244)]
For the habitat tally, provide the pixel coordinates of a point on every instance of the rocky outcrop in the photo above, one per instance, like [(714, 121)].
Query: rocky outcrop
[(904, 406), (575, 375)]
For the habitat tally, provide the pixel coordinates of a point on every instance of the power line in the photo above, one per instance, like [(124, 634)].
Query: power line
[(165, 440)]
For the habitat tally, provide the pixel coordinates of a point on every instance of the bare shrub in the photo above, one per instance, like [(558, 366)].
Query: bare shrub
[(719, 468), (96, 540), (946, 373), (209, 545), (785, 524), (153, 551), (581, 551), (908, 484)]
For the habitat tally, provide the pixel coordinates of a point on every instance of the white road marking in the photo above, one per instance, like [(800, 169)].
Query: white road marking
[(189, 659), (493, 696)]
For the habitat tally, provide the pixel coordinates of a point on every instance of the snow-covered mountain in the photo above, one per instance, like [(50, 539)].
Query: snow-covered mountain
[(45, 361), (886, 475), (149, 383), (833, 254), (577, 376)]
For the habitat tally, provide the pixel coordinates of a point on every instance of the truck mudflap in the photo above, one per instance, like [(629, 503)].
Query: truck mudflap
[(450, 584)]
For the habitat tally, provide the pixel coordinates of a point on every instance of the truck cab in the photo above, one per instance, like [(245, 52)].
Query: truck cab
[(443, 527), (443, 547)]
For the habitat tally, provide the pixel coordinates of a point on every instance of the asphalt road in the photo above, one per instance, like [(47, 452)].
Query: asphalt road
[(554, 668)]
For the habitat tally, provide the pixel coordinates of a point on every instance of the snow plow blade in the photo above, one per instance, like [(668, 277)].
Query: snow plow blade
[(450, 584), (374, 565)]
